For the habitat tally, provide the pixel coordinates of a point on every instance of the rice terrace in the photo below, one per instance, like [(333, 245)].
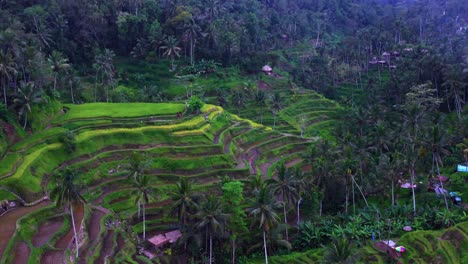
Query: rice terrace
[(233, 131)]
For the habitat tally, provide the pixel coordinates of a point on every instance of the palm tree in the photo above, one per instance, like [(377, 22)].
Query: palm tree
[(284, 185), (211, 219), (260, 99), (171, 49), (276, 105), (143, 192), (104, 66), (263, 209), (183, 199), (57, 64), (135, 168), (238, 99), (67, 193), (26, 97), (437, 145), (192, 30), (7, 70)]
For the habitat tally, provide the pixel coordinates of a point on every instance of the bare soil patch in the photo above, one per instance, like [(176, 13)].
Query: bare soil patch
[(22, 252), (46, 231)]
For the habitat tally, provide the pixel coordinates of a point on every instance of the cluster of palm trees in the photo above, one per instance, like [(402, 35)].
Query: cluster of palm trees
[(247, 94), (220, 217)]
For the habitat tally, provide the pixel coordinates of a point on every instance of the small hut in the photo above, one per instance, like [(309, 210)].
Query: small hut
[(159, 241), (267, 70), (162, 240)]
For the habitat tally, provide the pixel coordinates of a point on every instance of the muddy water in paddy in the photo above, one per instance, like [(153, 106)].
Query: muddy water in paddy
[(8, 223)]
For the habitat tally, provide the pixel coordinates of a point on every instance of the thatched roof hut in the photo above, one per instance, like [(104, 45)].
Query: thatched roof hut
[(267, 69)]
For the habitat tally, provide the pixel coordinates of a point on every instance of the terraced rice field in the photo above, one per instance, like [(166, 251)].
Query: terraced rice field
[(198, 147)]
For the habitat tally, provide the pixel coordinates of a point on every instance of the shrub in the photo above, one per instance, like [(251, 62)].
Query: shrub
[(68, 141), (194, 104)]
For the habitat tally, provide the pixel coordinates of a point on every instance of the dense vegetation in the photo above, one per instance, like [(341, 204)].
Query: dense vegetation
[(143, 116)]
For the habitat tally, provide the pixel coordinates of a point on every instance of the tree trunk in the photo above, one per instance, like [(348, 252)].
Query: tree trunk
[(298, 210), (4, 92), (320, 209), (55, 80), (191, 50), (347, 197), (393, 192), (412, 187), (211, 249), (25, 119), (265, 247), (144, 223), (360, 190), (138, 204), (285, 218), (441, 183), (71, 92), (233, 251), (74, 229)]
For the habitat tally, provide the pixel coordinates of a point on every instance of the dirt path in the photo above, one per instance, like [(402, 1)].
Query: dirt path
[(57, 256), (94, 227), (107, 246), (8, 223), (293, 162), (22, 252), (46, 231)]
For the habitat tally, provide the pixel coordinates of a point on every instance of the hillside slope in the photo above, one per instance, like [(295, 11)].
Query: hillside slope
[(97, 140)]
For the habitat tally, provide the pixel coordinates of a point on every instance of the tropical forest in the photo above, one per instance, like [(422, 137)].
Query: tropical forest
[(233, 131)]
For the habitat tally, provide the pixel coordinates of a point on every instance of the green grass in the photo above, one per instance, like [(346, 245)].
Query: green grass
[(8, 163), (118, 110)]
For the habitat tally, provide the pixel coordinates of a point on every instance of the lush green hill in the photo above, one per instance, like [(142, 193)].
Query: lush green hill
[(97, 140)]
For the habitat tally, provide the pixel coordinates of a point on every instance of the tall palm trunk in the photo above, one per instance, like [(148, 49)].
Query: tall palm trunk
[(55, 81), (71, 92), (144, 221), (285, 215), (138, 209), (233, 242), (440, 181), (4, 92), (412, 187), (265, 247), (74, 229), (298, 210), (393, 191), (25, 119), (285, 220), (211, 249)]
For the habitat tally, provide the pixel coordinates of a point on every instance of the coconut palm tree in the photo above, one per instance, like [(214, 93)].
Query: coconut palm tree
[(57, 64), (260, 100), (276, 104), (238, 99), (7, 70), (192, 30), (171, 49), (27, 96), (67, 194), (437, 145), (183, 199), (284, 184), (104, 67), (263, 209), (143, 192), (211, 219), (135, 169)]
